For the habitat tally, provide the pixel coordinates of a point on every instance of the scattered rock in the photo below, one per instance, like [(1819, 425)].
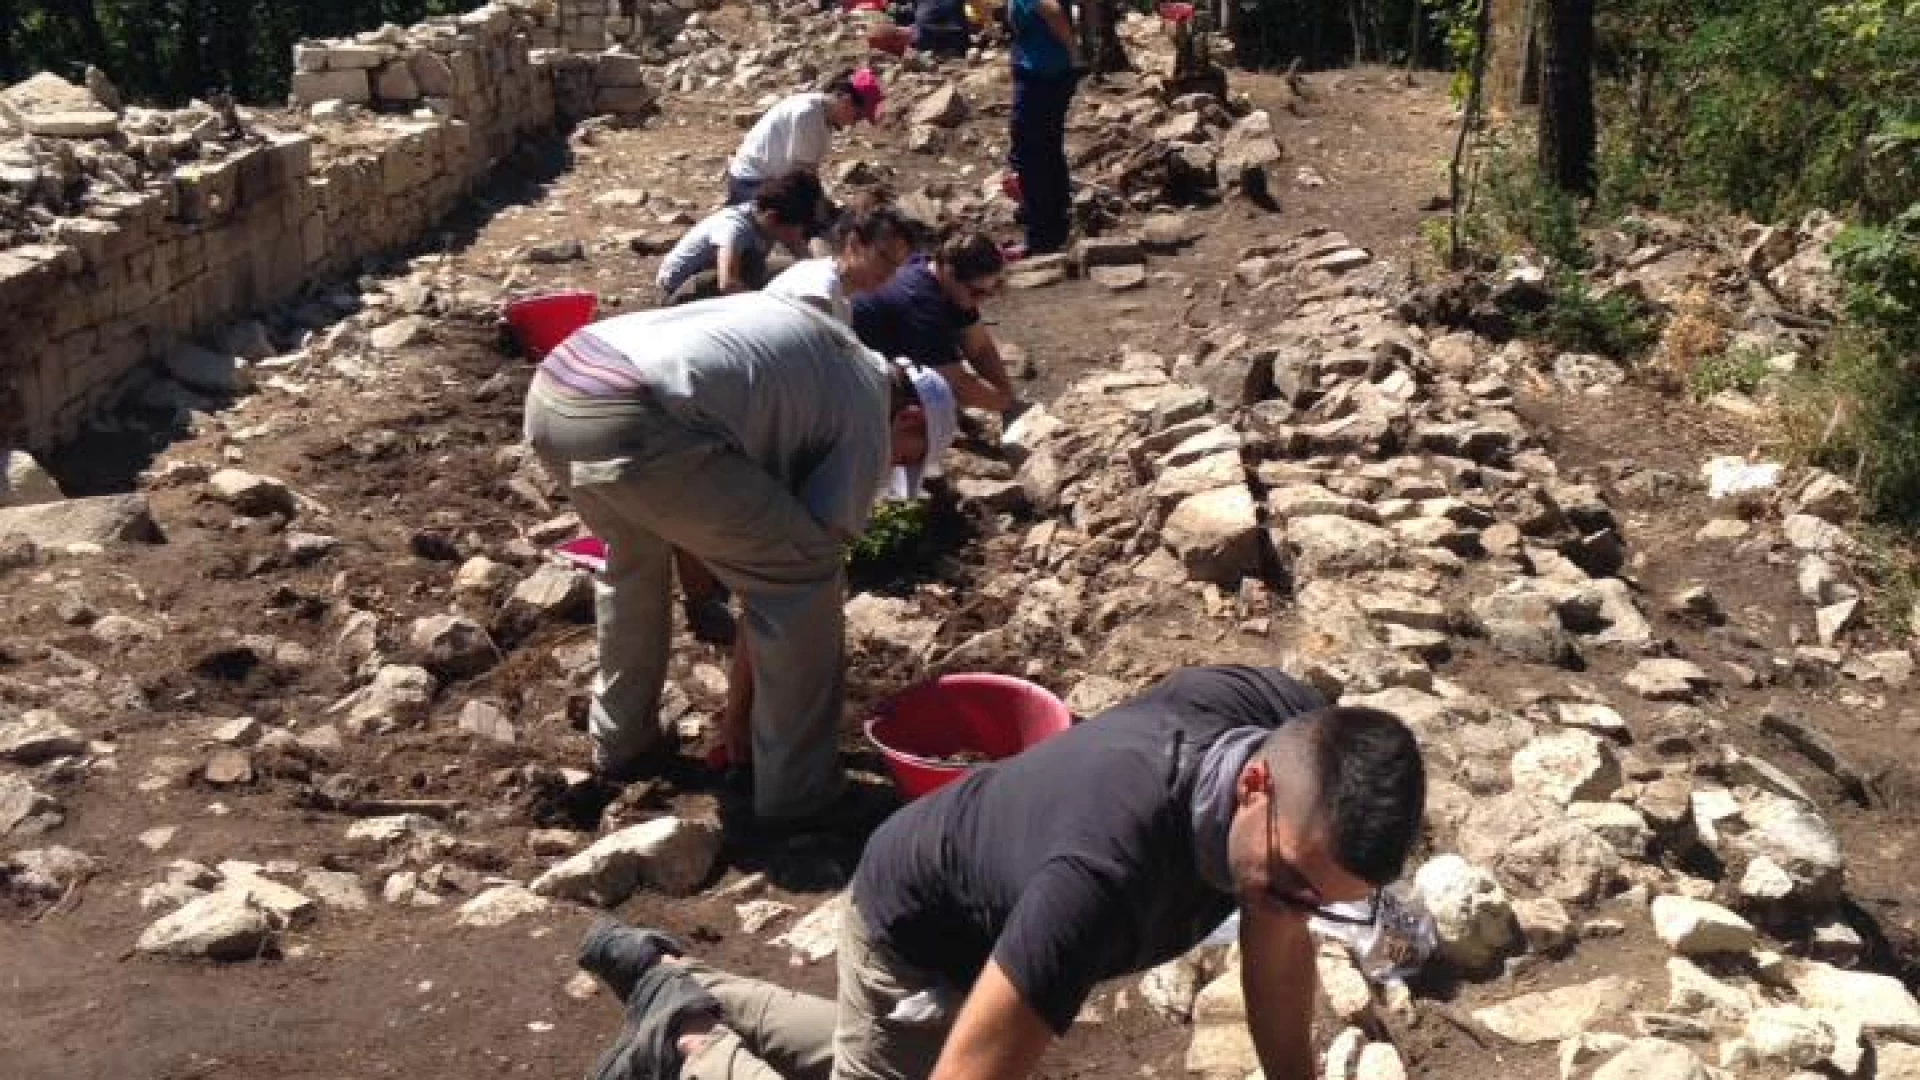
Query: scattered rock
[(817, 935), (501, 905), (48, 873), (1215, 535), (554, 592), (489, 721), (225, 926), (1668, 680), (1880, 1004), (102, 519), (252, 495), (1567, 766), (1654, 1059), (228, 767), (25, 811), (1472, 918), (37, 736), (335, 889), (453, 646), (944, 108), (669, 854), (401, 333), (1553, 1015), (398, 696), (1699, 928)]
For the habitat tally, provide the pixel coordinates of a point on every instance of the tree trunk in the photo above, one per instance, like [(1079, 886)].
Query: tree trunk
[(1567, 131)]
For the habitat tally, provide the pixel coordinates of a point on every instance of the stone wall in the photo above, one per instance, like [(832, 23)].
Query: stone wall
[(134, 252)]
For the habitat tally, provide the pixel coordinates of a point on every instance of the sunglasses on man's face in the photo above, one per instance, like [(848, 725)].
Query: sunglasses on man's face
[(1290, 889)]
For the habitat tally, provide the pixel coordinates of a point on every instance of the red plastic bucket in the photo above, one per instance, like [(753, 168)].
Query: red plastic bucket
[(541, 322), (994, 716)]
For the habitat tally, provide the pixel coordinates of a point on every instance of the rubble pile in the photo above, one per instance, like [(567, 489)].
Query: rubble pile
[(1329, 475), (130, 231)]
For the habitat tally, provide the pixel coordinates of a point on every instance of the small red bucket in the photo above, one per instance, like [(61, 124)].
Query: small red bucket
[(923, 728), (541, 322)]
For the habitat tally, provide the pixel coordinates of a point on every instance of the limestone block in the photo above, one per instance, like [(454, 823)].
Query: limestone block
[(619, 100), (396, 83), (351, 86), (431, 74), (351, 57)]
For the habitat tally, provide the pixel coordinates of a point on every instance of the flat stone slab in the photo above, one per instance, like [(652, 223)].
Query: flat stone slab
[(102, 519)]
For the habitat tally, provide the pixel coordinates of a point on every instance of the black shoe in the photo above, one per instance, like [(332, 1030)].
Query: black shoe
[(618, 955), (710, 620), (859, 810), (664, 999)]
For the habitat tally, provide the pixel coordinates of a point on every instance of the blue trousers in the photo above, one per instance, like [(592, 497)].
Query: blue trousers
[(1039, 155)]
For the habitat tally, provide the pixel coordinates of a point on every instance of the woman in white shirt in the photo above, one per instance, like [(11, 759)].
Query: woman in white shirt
[(797, 132), (869, 241)]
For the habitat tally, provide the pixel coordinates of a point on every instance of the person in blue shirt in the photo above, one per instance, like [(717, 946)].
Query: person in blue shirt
[(1046, 67), (929, 313)]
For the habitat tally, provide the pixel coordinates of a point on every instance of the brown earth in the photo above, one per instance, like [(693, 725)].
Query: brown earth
[(403, 992)]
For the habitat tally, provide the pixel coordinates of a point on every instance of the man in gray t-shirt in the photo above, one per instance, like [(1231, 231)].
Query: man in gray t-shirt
[(726, 252), (755, 433)]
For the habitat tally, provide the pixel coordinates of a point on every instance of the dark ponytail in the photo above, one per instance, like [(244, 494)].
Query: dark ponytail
[(969, 254)]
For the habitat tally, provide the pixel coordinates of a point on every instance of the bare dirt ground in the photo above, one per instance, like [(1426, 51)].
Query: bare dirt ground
[(402, 991)]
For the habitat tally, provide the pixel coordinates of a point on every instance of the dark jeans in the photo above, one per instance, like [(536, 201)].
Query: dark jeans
[(1039, 155)]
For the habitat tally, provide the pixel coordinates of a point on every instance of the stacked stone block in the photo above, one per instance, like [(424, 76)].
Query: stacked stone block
[(140, 271)]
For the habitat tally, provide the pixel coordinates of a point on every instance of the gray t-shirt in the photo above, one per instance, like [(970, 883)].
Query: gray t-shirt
[(788, 386), (699, 250)]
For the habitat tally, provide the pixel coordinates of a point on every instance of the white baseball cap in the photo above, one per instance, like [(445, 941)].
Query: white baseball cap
[(943, 426)]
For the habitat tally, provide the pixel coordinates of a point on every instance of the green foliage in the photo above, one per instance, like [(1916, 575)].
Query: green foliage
[(893, 533), (1513, 210), (1859, 414), (1771, 107), (1739, 368), (1328, 33), (1880, 267), (1457, 22), (166, 51), (1578, 319)]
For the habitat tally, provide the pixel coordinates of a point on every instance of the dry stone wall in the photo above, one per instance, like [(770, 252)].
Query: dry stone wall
[(133, 250)]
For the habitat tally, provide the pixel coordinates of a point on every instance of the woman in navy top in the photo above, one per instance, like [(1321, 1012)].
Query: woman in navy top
[(930, 314)]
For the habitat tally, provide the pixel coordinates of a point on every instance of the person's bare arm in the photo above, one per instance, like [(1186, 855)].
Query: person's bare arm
[(729, 269), (973, 392), (983, 355), (997, 1036), (1277, 974), (736, 716), (1054, 14)]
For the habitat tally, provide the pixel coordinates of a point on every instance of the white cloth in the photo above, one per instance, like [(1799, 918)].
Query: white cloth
[(792, 389), (817, 282), (794, 134), (731, 229), (943, 426)]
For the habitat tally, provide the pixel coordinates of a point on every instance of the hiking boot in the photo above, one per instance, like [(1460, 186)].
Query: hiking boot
[(709, 619), (664, 999), (858, 811), (618, 955)]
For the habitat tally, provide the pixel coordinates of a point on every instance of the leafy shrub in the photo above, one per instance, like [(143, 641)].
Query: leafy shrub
[(1743, 368), (1578, 319), (1859, 414), (893, 533), (1880, 268)]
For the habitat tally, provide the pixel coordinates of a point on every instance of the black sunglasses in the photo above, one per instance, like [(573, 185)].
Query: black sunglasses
[(1288, 888)]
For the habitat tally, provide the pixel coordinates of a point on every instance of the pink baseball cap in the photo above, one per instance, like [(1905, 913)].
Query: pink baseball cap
[(866, 87)]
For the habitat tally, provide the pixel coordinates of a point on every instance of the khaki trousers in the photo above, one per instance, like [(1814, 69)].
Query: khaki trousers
[(645, 482), (775, 1034)]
